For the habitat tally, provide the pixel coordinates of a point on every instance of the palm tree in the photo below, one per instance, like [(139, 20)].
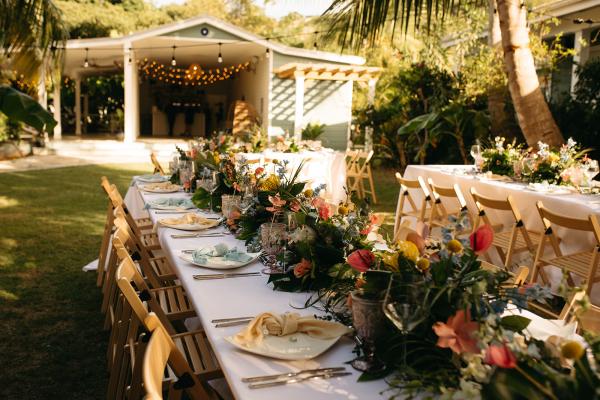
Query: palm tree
[(31, 33), (361, 20)]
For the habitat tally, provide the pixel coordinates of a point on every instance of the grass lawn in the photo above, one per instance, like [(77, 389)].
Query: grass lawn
[(51, 222)]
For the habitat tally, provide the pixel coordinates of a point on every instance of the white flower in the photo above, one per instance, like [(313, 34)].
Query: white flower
[(571, 143), (476, 368), (543, 149), (499, 143), (468, 390), (303, 234)]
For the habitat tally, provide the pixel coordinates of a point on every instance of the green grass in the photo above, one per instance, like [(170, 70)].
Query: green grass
[(51, 223)]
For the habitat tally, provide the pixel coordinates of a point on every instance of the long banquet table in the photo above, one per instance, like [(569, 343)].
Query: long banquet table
[(573, 205), (235, 297)]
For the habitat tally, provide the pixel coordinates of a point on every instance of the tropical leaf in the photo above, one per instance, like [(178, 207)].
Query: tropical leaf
[(18, 106)]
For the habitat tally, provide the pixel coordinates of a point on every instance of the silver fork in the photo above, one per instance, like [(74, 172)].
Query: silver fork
[(323, 375), (292, 374), (195, 235)]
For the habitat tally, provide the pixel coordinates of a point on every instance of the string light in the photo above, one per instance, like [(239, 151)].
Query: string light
[(268, 52), (220, 57), (173, 60), (315, 42), (130, 55), (194, 75), (86, 62)]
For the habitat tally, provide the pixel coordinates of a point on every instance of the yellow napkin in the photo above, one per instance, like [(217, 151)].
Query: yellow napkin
[(190, 219), (160, 186), (286, 324)]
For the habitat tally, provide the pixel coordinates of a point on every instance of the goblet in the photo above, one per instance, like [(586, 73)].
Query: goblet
[(368, 320), (272, 240)]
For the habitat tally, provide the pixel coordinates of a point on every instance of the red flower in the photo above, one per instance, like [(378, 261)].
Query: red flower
[(374, 220), (302, 268), (482, 239), (259, 171), (361, 260), (325, 212), (501, 356), (457, 333)]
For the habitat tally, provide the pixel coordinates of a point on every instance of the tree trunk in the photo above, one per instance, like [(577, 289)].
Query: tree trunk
[(533, 113)]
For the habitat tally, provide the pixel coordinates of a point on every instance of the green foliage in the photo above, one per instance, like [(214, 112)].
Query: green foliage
[(19, 107), (312, 131)]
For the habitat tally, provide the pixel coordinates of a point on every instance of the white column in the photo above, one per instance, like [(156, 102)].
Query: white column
[(56, 104), (299, 114), (41, 89), (582, 52), (371, 93), (131, 106), (78, 105)]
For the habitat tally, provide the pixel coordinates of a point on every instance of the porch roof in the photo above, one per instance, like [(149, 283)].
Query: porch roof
[(328, 72)]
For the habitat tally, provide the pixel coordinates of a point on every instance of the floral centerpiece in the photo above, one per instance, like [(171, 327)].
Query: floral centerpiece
[(448, 334), (500, 159)]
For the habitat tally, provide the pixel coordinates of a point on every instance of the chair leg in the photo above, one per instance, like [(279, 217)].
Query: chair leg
[(372, 185)]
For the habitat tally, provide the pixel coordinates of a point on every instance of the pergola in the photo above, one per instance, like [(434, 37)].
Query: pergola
[(300, 72)]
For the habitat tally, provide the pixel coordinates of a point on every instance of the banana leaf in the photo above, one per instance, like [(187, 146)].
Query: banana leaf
[(19, 107)]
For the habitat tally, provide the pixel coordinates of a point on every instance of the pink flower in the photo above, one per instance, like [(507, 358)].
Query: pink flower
[(482, 239), (295, 205), (457, 333), (236, 187), (361, 260), (277, 203), (373, 222), (501, 356), (325, 212), (302, 268)]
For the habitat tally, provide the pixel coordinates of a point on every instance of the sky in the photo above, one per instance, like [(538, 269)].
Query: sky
[(277, 8)]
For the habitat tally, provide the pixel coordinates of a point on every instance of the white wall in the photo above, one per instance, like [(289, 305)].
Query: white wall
[(253, 85)]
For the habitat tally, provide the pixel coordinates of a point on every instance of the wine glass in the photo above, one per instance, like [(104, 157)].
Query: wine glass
[(210, 183), (247, 200), (477, 155), (403, 305), (590, 169)]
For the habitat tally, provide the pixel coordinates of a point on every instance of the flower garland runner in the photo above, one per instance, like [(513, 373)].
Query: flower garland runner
[(561, 167)]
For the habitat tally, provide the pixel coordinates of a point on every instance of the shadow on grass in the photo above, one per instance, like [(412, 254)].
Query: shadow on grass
[(53, 345)]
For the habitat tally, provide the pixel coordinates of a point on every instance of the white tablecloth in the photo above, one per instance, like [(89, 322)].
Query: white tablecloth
[(574, 205), (213, 299), (237, 297), (325, 166)]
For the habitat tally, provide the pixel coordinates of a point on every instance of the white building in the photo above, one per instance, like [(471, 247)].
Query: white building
[(171, 66)]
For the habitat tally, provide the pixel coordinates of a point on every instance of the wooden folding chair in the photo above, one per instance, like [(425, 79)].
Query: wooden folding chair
[(419, 213), (439, 213), (506, 242), (163, 354), (518, 277), (358, 171), (194, 346), (583, 264), (149, 239), (157, 167)]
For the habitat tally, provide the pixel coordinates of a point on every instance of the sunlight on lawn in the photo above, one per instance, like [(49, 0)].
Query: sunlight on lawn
[(8, 202)]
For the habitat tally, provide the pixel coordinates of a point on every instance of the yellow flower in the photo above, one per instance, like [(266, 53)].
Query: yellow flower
[(271, 183), (454, 246), (423, 264), (408, 249), (309, 193), (572, 350), (391, 260), (343, 210)]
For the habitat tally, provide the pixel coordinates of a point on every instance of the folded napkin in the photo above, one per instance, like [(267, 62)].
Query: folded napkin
[(160, 186), (286, 324), (189, 219), (153, 178), (201, 256), (170, 202)]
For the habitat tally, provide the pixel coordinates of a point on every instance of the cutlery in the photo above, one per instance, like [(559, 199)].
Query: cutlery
[(214, 321), (233, 323), (326, 375), (195, 235), (177, 211), (292, 374), (224, 276)]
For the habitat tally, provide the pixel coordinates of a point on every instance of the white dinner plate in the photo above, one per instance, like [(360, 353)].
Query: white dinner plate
[(549, 189), (152, 178), (191, 227), (296, 346), (159, 188), (158, 206), (219, 262)]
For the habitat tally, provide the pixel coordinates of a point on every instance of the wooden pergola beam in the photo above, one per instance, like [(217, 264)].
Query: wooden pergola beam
[(328, 72)]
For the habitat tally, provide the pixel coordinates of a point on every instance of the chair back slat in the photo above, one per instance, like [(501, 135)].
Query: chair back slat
[(157, 167)]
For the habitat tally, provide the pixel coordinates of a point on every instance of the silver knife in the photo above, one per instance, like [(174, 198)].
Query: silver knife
[(233, 323), (292, 374), (326, 375)]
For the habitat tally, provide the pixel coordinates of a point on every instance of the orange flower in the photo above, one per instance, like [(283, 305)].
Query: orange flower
[(302, 268), (277, 203), (457, 333), (323, 208)]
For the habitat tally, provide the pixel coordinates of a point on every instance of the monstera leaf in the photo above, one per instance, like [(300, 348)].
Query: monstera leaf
[(20, 107)]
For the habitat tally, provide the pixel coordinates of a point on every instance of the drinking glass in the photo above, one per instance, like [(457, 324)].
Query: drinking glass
[(210, 183), (590, 169), (272, 240), (477, 155), (404, 306), (247, 200)]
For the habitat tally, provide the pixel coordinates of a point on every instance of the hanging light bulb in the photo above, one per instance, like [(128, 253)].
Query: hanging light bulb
[(268, 52), (86, 62), (220, 57), (173, 60)]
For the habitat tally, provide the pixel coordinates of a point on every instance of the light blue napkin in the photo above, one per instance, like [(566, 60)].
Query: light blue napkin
[(170, 202), (201, 256), (153, 178)]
